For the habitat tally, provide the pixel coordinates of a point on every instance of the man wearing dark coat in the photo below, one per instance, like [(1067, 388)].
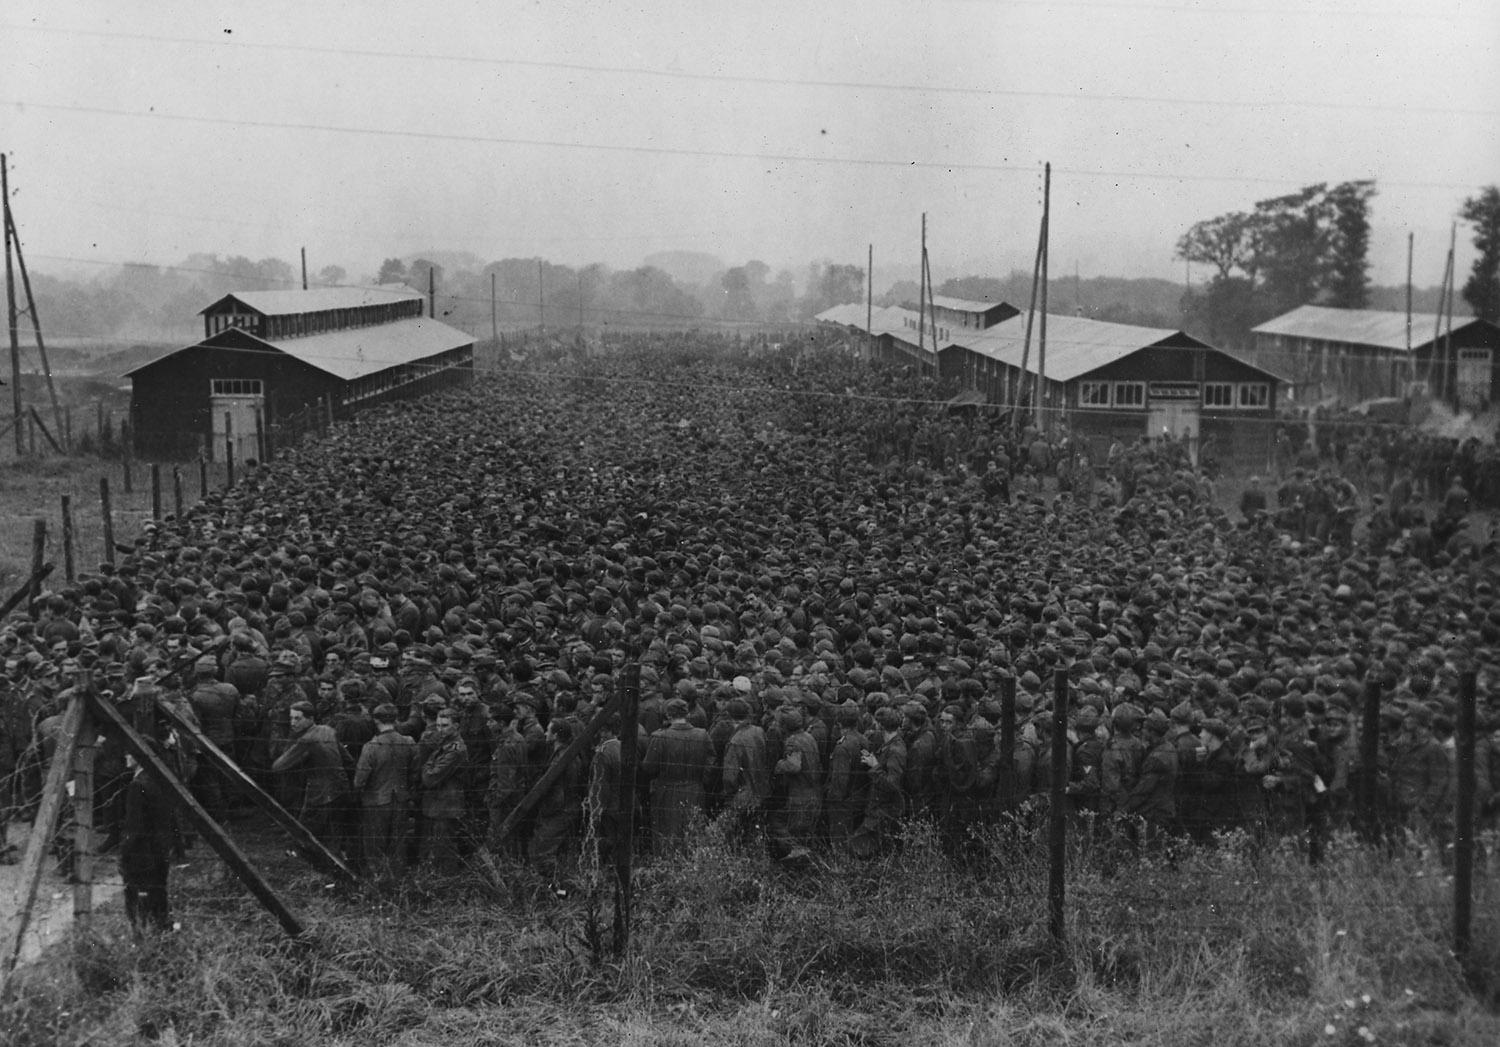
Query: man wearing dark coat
[(678, 761)]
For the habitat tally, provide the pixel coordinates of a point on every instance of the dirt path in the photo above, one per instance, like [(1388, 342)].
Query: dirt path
[(53, 914)]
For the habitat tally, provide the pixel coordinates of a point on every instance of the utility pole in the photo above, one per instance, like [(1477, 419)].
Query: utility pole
[(1450, 363), (432, 292), (870, 302), (304, 268), (1411, 242), (494, 324), (1044, 422), (1036, 273), (1437, 365), (36, 322), (10, 305), (931, 305), (922, 291)]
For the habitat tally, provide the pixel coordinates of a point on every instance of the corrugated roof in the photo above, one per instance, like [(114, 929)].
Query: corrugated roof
[(1075, 344), (1378, 328), (315, 299), (358, 351)]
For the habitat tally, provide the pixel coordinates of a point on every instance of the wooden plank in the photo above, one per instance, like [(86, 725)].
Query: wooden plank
[(209, 829), (53, 794), (45, 431), (554, 772), (83, 815), (308, 845), (20, 594)]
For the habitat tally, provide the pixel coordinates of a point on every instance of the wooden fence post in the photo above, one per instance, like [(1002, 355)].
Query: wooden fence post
[(202, 478), (176, 492), (209, 829), (156, 491), (109, 520), (38, 555), (83, 813), (37, 844), (67, 528), (261, 454), (1058, 850)]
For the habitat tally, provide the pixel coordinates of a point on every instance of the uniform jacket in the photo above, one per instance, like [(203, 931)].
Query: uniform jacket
[(386, 768)]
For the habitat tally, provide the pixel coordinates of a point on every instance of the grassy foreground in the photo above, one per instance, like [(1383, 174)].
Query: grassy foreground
[(1214, 947)]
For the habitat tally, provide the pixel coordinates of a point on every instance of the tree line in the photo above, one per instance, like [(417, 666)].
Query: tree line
[(142, 302), (1311, 247)]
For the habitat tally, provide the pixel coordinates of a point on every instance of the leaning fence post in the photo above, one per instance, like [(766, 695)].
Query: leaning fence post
[(1463, 835), (1058, 834), (38, 556), (67, 528), (109, 520)]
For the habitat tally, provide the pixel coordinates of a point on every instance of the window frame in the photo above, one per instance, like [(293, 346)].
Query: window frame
[(1135, 399), (1245, 398), (1231, 398)]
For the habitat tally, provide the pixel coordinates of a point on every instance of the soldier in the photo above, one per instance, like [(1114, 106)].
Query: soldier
[(312, 768), (147, 837), (509, 771), (1120, 763), (885, 762), (1421, 777), (799, 772), (848, 785), (442, 791), (1153, 796), (215, 704), (678, 761), (747, 771), (383, 781)]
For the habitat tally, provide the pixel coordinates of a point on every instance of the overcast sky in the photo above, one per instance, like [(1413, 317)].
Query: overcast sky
[(782, 130)]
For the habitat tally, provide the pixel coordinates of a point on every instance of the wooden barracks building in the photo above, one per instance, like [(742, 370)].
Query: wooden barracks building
[(1107, 380), (267, 356)]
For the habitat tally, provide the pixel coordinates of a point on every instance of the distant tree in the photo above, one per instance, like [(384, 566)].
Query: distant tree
[(738, 302), (830, 285), (1347, 278), (392, 271), (1293, 236), (1227, 243), (332, 275), (417, 273), (1482, 289)]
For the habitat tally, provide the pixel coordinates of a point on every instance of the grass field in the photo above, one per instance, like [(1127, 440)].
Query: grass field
[(32, 489), (1212, 947)]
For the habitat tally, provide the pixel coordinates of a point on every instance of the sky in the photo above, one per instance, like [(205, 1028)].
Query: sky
[(779, 130)]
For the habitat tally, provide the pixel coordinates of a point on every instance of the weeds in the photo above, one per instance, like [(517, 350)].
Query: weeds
[(1231, 945)]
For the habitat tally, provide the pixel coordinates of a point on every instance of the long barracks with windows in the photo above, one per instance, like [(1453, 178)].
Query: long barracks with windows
[(270, 358)]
